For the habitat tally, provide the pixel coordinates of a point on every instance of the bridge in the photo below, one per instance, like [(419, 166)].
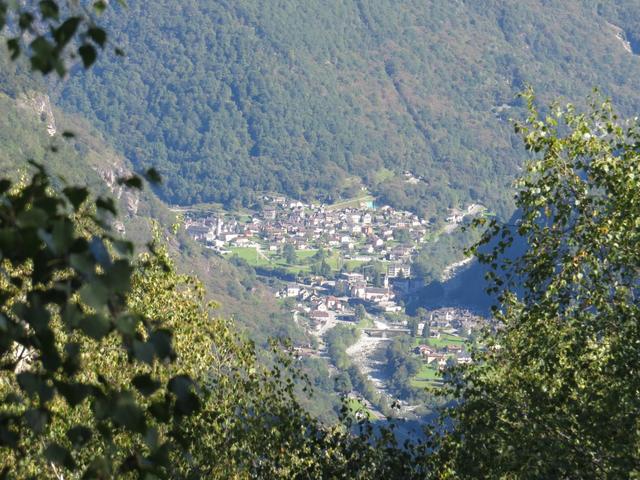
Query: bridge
[(386, 332)]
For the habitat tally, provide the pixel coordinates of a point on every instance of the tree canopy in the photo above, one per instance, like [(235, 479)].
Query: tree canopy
[(553, 393)]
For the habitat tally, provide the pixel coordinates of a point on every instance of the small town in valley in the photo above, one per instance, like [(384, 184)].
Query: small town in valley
[(350, 263)]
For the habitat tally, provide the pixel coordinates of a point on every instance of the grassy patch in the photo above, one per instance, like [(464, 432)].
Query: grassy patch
[(303, 255), (427, 376), (251, 256), (445, 340), (352, 202)]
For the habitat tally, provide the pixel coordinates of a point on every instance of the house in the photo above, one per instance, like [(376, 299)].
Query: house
[(454, 348), (198, 232), (320, 306), (319, 315), (358, 289), (439, 358), (353, 278), (401, 251), (390, 306), (269, 213), (424, 350), (334, 303), (375, 294), (241, 241), (293, 290), (399, 270)]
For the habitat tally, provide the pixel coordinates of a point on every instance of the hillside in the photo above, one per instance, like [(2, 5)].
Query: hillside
[(314, 99), (87, 159)]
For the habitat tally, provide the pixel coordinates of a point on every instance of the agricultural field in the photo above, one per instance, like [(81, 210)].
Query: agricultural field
[(445, 340), (304, 260), (428, 376)]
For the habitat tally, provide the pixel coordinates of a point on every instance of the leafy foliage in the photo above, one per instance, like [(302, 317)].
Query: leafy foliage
[(63, 293), (555, 392), (52, 33)]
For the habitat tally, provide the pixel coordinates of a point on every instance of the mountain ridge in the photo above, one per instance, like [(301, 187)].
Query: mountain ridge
[(231, 99)]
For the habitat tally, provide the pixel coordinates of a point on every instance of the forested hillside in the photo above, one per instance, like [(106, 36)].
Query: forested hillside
[(86, 159), (312, 98)]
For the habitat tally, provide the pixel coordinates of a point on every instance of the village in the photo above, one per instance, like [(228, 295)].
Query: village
[(339, 261)]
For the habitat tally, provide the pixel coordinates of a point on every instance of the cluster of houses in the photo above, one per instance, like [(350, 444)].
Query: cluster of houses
[(456, 321), (439, 357), (326, 300), (317, 302), (358, 287), (361, 232)]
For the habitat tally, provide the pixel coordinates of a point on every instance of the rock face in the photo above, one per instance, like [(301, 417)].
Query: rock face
[(110, 173), (40, 104)]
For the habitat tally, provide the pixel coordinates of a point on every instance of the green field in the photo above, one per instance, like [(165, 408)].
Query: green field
[(304, 260), (250, 255), (352, 202), (428, 376), (444, 340)]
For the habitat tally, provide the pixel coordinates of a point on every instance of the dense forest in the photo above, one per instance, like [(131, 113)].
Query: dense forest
[(314, 99)]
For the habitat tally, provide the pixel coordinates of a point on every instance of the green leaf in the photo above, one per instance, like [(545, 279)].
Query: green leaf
[(161, 341), (143, 351), (73, 392), (118, 276), (14, 48), (98, 35), (59, 455), (33, 385), (100, 6), (106, 204), (145, 384), (94, 294), (34, 217), (37, 418), (65, 32), (187, 401), (127, 414), (153, 176), (127, 324), (88, 54), (83, 263), (79, 435), (49, 9), (100, 252), (72, 361), (76, 195), (132, 182), (95, 326)]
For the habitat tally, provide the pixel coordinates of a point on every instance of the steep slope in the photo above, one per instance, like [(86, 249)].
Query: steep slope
[(231, 98), (86, 159)]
